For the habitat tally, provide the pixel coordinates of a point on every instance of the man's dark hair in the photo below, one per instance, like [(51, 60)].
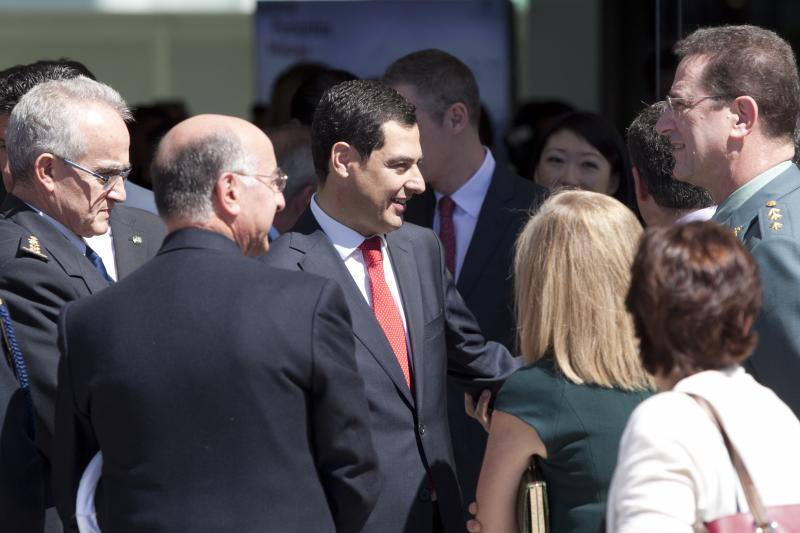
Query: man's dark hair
[(308, 95), (651, 154), (17, 80), (440, 81), (355, 112), (749, 61)]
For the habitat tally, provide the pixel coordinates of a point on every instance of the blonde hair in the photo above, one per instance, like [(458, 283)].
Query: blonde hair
[(572, 269)]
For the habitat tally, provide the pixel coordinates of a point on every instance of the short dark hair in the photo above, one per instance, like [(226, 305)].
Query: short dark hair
[(694, 294), (651, 154), (601, 134), (355, 112), (750, 61), (17, 80), (440, 80), (308, 95)]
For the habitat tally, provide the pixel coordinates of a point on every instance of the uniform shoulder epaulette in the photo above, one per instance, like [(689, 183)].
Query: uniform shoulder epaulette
[(30, 246), (774, 219)]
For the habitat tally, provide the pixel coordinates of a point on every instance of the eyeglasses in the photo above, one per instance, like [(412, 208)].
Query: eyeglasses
[(108, 180), (276, 181), (681, 104)]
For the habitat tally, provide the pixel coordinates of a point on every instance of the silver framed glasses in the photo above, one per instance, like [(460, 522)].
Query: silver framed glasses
[(108, 180), (276, 181), (678, 104)]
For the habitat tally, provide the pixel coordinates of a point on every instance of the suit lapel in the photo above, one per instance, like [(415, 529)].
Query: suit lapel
[(320, 258), (493, 220), (59, 249), (743, 217), (404, 264), (129, 253)]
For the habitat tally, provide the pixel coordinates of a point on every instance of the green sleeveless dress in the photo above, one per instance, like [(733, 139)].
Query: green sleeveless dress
[(580, 426)]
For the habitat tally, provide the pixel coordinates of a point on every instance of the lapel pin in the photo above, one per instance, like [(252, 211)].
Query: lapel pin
[(736, 230), (136, 239), (772, 203), (775, 226)]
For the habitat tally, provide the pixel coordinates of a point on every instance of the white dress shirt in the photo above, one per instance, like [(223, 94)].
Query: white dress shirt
[(468, 201), (346, 242), (674, 471), (698, 215), (103, 245)]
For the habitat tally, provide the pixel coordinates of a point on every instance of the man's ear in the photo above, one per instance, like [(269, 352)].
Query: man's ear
[(642, 194), (456, 118), (43, 171), (746, 111), (342, 154), (227, 195)]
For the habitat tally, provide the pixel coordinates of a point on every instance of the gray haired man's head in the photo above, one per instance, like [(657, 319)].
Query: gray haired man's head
[(47, 120)]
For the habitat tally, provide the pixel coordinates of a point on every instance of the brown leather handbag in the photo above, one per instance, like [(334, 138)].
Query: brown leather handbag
[(760, 519)]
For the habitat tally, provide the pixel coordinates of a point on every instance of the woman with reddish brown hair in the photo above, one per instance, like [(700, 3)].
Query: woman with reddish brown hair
[(694, 296)]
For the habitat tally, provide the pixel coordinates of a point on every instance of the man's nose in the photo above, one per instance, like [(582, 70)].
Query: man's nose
[(665, 123), (416, 185), (280, 202), (117, 190)]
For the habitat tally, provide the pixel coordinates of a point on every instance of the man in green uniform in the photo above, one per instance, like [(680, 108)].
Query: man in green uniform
[(731, 116)]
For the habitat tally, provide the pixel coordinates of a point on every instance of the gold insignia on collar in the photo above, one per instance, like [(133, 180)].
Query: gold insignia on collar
[(775, 226), (33, 247), (772, 203), (736, 230), (136, 239), (774, 214)]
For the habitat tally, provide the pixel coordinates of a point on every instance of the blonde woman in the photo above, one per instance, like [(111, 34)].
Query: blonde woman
[(583, 379)]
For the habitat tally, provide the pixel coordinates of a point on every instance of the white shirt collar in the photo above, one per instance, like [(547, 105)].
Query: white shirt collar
[(471, 194), (345, 240)]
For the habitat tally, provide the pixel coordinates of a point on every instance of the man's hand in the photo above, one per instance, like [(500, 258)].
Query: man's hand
[(473, 526), (479, 412)]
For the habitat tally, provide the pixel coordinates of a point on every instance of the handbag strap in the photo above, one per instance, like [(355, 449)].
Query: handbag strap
[(751, 494)]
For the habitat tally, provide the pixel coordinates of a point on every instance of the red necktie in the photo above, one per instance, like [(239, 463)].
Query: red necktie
[(447, 232), (383, 305)]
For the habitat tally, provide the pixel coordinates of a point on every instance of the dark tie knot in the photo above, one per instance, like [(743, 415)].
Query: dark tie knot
[(371, 249), (446, 206)]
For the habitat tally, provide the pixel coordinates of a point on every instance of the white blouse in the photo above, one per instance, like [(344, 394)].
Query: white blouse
[(673, 470)]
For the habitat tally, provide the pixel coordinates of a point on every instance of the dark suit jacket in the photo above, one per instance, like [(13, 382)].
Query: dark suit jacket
[(767, 223), (232, 404), (35, 288), (486, 285), (137, 236), (409, 431)]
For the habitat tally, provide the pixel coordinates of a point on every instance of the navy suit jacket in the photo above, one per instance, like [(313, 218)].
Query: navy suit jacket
[(233, 403), (35, 287), (486, 285), (409, 430)]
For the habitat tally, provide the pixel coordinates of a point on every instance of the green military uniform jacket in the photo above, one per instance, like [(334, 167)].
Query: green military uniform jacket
[(768, 224)]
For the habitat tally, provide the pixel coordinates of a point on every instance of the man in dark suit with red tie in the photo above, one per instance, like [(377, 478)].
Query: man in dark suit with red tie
[(477, 207), (411, 327)]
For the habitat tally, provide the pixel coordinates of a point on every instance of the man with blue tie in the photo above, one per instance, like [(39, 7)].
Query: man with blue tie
[(67, 146)]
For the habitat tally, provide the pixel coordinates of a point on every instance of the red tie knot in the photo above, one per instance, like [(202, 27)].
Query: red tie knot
[(371, 250), (446, 207)]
